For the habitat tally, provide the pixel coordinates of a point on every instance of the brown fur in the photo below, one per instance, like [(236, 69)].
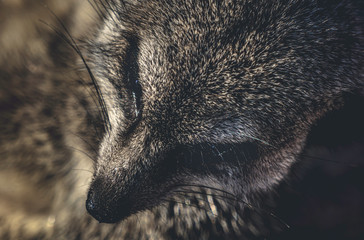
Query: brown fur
[(227, 93)]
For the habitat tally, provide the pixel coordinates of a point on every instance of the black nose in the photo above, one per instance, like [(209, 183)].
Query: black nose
[(98, 204), (105, 205), (96, 208)]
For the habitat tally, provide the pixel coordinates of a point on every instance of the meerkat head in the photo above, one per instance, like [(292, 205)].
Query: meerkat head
[(215, 94)]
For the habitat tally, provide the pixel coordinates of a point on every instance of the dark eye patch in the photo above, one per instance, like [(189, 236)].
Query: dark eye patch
[(131, 76)]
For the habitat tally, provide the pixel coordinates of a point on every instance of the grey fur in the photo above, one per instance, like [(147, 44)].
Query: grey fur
[(226, 94)]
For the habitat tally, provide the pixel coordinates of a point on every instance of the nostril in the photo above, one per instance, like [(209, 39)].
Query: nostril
[(94, 208), (91, 205)]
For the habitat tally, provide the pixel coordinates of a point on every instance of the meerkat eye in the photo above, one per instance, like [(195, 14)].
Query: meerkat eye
[(132, 74), (136, 94)]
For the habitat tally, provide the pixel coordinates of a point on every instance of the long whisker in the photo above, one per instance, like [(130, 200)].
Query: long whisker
[(353, 165), (86, 142), (259, 140), (232, 198), (72, 43), (81, 151), (88, 111), (97, 9)]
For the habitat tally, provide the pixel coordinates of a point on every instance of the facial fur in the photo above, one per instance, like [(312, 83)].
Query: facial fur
[(214, 93)]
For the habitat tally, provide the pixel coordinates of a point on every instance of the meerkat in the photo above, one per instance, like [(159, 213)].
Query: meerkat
[(182, 114)]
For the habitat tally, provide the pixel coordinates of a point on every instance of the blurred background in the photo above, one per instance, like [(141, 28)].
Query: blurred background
[(25, 26)]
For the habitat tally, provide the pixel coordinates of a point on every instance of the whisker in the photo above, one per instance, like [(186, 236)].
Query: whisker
[(232, 198), (208, 194), (85, 141), (67, 37), (188, 204), (184, 194), (207, 187), (352, 165), (94, 99), (258, 139), (213, 147), (97, 9), (82, 170), (81, 151)]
